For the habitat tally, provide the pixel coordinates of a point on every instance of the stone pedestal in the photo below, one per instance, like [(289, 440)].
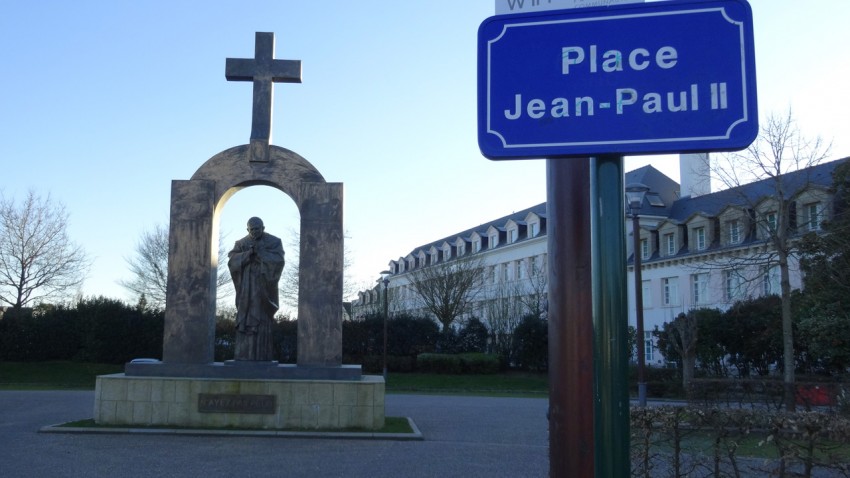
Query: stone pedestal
[(240, 403)]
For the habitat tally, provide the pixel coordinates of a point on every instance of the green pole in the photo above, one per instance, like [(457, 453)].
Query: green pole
[(610, 316)]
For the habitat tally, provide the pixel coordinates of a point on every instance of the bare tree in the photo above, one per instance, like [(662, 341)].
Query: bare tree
[(448, 289), (38, 261), (535, 293), (780, 149), (149, 268), (504, 309)]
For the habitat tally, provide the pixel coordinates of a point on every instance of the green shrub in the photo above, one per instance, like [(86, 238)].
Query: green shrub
[(480, 363), (93, 330), (439, 363), (406, 336), (468, 363), (531, 344), (661, 382), (374, 364), (716, 439), (473, 336)]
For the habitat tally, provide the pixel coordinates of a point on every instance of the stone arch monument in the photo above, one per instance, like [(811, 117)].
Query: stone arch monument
[(187, 388), (193, 268), (196, 204)]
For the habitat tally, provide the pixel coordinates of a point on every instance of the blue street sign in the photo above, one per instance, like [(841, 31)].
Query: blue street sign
[(644, 78)]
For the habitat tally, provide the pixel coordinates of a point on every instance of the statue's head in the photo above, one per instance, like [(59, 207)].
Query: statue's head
[(255, 228)]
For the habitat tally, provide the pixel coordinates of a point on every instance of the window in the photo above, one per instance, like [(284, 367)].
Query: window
[(699, 288), (670, 291), (732, 281), (644, 249), (699, 234), (648, 347), (534, 229), (461, 249), (770, 220), (521, 270), (670, 243), (646, 292), (770, 280), (476, 245), (813, 213), (494, 240), (734, 231), (512, 235), (505, 272)]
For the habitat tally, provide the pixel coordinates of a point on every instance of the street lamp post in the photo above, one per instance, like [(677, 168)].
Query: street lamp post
[(635, 193), (385, 279)]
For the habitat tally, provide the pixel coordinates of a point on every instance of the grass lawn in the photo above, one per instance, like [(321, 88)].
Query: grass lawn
[(81, 376), (501, 384)]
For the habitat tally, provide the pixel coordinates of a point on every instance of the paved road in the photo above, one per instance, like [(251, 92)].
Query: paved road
[(464, 436)]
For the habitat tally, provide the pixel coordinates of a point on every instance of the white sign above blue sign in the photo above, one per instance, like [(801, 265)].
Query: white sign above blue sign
[(524, 6), (646, 78)]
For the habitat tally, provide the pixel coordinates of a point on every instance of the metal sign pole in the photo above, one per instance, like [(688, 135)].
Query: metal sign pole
[(610, 313)]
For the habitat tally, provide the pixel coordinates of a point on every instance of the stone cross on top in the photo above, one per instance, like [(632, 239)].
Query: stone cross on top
[(263, 70)]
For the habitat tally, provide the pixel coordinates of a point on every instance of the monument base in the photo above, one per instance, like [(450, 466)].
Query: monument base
[(240, 403), (234, 369)]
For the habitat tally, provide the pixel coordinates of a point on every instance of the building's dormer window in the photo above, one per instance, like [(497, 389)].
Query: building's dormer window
[(699, 234), (771, 221), (670, 244), (512, 235), (644, 248), (813, 214), (493, 240), (533, 229), (734, 231), (476, 245)]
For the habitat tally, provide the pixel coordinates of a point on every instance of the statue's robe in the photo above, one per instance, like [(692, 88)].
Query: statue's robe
[(256, 282)]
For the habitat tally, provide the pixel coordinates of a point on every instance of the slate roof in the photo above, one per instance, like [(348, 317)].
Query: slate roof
[(518, 217), (750, 194), (676, 209), (666, 189)]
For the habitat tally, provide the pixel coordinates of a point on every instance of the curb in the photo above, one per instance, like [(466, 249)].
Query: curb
[(416, 435)]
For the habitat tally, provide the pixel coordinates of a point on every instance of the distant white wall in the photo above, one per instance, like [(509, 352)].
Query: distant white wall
[(694, 174)]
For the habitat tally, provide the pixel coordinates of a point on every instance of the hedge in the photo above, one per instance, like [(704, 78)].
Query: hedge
[(468, 363)]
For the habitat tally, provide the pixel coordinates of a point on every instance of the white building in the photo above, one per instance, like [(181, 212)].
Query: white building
[(512, 250), (700, 249)]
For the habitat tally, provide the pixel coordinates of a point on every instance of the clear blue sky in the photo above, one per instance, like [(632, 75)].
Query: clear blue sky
[(103, 103)]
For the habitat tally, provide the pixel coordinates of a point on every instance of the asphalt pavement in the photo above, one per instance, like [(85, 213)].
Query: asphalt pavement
[(462, 437)]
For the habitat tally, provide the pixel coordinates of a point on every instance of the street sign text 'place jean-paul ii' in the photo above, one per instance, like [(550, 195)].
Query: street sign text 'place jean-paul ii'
[(664, 77)]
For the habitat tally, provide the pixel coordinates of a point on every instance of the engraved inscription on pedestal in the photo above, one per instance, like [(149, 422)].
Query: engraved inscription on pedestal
[(236, 403)]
